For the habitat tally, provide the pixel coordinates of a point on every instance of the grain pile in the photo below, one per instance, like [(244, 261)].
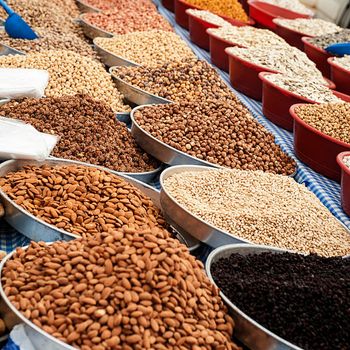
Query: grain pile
[(261, 208), (323, 41), (343, 62), (128, 5), (209, 17), (130, 289), (291, 5), (88, 131), (70, 74)]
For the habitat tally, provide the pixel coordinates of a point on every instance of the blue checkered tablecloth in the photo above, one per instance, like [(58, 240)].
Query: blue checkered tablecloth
[(326, 190)]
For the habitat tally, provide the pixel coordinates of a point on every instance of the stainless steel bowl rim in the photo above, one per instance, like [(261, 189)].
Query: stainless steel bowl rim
[(89, 6), (82, 19), (17, 52), (232, 247)]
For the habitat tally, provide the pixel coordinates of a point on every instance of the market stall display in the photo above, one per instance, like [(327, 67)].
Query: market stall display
[(340, 73)]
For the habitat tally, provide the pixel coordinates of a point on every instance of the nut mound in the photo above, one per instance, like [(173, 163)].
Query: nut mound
[(218, 132), (79, 199), (127, 290), (88, 130)]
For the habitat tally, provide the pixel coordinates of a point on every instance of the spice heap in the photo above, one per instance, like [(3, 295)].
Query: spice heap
[(309, 26), (307, 89), (124, 21), (70, 74), (324, 41), (288, 60), (292, 5), (346, 161), (128, 5), (79, 199), (126, 290), (303, 299), (88, 130), (188, 80), (219, 132), (261, 208), (208, 17), (149, 48), (49, 40), (343, 62), (248, 36), (331, 119), (228, 8)]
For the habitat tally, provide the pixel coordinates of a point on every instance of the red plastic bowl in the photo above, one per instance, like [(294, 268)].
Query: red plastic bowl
[(263, 13), (169, 4), (317, 150), (198, 29), (181, 17), (345, 182), (277, 102), (319, 56), (291, 36), (340, 76)]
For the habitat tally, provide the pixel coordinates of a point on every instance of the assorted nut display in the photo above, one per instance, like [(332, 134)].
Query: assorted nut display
[(307, 89), (291, 5), (309, 26), (70, 74), (301, 290), (262, 208), (325, 40), (187, 80), (332, 119), (220, 132), (130, 289), (343, 62), (88, 130), (208, 17), (151, 48), (79, 199)]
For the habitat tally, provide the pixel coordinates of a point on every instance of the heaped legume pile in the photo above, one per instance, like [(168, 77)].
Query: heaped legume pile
[(218, 132), (208, 17), (49, 40), (309, 26), (332, 119), (304, 88), (119, 4), (127, 289), (70, 74), (292, 5), (188, 80), (149, 48), (286, 59), (303, 299), (261, 208), (346, 161), (343, 62), (124, 21), (248, 36), (88, 130), (80, 199), (325, 40), (228, 8)]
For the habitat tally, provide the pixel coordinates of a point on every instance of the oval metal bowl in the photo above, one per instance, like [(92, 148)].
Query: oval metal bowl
[(92, 31), (248, 331), (4, 100), (8, 50), (110, 59), (85, 8), (136, 95), (38, 230)]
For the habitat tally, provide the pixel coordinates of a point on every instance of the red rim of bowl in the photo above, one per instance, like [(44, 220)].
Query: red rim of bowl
[(305, 35), (224, 40), (340, 162), (311, 128), (265, 80), (253, 2), (304, 39), (330, 60)]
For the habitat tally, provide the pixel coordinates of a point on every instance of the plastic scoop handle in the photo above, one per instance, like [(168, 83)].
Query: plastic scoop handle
[(6, 7)]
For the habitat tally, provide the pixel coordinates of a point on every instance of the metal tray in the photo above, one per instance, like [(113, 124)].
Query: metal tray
[(7, 50), (110, 59), (38, 230), (248, 331), (92, 31), (85, 8), (136, 95)]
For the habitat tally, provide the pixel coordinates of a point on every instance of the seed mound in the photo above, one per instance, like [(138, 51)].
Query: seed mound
[(88, 130), (209, 17), (71, 74), (333, 119), (151, 48), (292, 5), (343, 62), (261, 208), (188, 80), (219, 132), (130, 5), (325, 40), (127, 290), (79, 199), (303, 299)]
